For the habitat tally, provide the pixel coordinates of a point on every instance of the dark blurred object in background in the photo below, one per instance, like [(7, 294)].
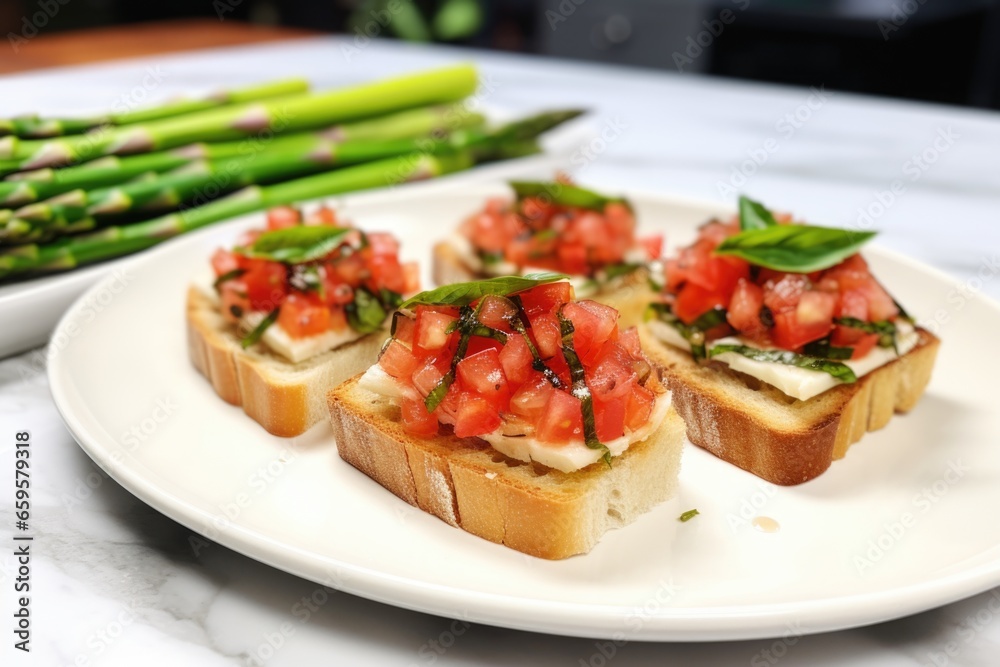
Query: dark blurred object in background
[(937, 50)]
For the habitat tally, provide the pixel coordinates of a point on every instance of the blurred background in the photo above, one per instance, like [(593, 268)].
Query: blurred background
[(937, 50)]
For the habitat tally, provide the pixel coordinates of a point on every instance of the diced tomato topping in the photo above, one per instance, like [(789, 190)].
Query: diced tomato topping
[(785, 292), (593, 323), (475, 416), (266, 283), (432, 329), (516, 359), (416, 420), (639, 408), (483, 373), (304, 315), (744, 310), (282, 217), (629, 340), (544, 298), (791, 334), (531, 397), (224, 262), (398, 361), (561, 419), (496, 312), (547, 334), (324, 215), (653, 245), (694, 300), (338, 318), (609, 417), (405, 327), (411, 277), (235, 303)]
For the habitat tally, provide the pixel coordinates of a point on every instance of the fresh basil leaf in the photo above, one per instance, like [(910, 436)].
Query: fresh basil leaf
[(710, 319), (838, 370), (561, 194), (462, 294), (365, 314), (822, 348), (753, 215), (794, 248), (693, 334), (487, 257), (297, 245), (389, 298), (886, 329), (467, 322), (258, 331), (227, 276), (580, 390)]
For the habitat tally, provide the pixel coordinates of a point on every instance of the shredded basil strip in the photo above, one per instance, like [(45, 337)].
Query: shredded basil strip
[(580, 390), (488, 257), (227, 276), (258, 331), (463, 294), (692, 333), (467, 322), (822, 348), (838, 370), (297, 245), (562, 194), (365, 314), (886, 329), (537, 363), (710, 319), (687, 516), (794, 248), (753, 215)]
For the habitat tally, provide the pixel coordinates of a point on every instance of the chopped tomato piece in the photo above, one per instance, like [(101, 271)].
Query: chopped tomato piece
[(338, 318), (530, 399), (267, 285), (653, 245), (398, 361), (629, 340), (816, 308), (744, 309), (543, 298), (282, 217), (791, 334), (303, 315), (548, 337), (785, 292), (475, 416), (593, 323), (382, 243), (639, 407), (324, 215), (516, 359), (496, 312), (411, 277), (609, 417), (224, 262), (561, 419), (416, 420), (405, 327), (235, 303), (432, 329), (483, 373), (694, 300)]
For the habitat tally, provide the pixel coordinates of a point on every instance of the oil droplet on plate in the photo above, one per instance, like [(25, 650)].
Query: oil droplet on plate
[(766, 524)]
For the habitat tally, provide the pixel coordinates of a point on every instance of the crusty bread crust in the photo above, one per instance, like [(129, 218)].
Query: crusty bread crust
[(285, 398), (525, 506), (629, 295), (778, 438)]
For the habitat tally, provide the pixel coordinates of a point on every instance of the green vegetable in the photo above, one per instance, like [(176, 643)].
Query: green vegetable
[(580, 390), (687, 516), (258, 331), (564, 195), (227, 276), (794, 248), (462, 294), (365, 314), (822, 348), (537, 363), (467, 323), (753, 215), (838, 370), (693, 333), (618, 270), (885, 329), (297, 245)]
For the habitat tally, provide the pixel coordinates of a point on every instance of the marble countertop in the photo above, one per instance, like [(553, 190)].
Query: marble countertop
[(117, 583)]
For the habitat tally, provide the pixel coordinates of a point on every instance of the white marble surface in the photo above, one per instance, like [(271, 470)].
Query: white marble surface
[(116, 583)]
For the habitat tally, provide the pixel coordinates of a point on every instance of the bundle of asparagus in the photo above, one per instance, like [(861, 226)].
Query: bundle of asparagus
[(208, 160)]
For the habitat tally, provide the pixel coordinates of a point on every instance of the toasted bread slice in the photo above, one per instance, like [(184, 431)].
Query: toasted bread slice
[(776, 437), (629, 294), (525, 506), (285, 398)]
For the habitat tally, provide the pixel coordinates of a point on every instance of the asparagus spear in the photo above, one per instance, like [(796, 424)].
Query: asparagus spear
[(119, 240), (292, 114), (514, 139), (31, 186), (45, 220), (38, 127)]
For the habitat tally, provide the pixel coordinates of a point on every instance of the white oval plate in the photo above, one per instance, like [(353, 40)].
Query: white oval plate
[(904, 523)]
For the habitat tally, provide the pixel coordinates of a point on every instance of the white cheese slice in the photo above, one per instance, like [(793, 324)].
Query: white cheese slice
[(299, 349), (566, 457), (800, 383)]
